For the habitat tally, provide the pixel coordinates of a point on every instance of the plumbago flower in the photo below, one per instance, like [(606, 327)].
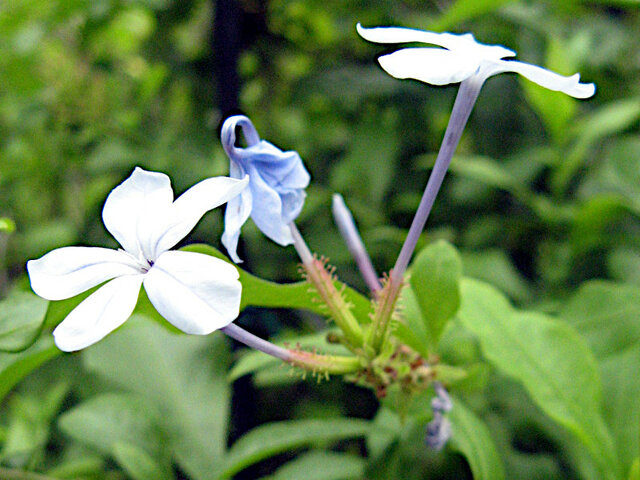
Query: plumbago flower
[(196, 293), (461, 58), (276, 193)]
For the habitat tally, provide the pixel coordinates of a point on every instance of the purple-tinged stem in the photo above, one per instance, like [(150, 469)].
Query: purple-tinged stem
[(301, 246), (347, 226), (388, 296), (322, 364), (465, 100), (250, 340)]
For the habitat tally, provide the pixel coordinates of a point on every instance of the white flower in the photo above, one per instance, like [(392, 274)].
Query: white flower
[(197, 293), (461, 58)]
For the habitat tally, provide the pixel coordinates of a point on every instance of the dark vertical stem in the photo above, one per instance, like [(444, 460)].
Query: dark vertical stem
[(227, 45)]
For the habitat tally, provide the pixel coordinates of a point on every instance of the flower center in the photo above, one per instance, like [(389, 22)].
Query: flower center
[(145, 265)]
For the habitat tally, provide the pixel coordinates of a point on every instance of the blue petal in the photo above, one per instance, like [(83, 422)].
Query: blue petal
[(267, 210)]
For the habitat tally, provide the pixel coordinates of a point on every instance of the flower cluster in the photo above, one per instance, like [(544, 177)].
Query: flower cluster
[(198, 293)]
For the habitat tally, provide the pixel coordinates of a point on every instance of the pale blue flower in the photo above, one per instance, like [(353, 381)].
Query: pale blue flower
[(275, 194)]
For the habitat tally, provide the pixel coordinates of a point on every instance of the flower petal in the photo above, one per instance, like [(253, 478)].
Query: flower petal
[(430, 65), (189, 208), (195, 292), (280, 169), (228, 135), (237, 213), (136, 208), (267, 210), (553, 81), (464, 43), (68, 271), (99, 314)]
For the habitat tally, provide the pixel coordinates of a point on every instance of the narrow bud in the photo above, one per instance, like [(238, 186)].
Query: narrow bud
[(344, 220)]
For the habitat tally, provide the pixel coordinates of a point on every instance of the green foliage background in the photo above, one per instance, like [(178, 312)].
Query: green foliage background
[(542, 198)]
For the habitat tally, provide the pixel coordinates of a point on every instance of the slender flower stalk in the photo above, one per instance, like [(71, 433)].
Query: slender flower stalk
[(347, 226), (465, 100), (250, 340), (322, 364), (323, 281)]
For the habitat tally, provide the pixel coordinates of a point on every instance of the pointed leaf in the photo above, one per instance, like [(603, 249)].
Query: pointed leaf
[(607, 314), (108, 419), (549, 359), (471, 437), (320, 465), (15, 366), (138, 464), (183, 377), (21, 317), (435, 277), (278, 437)]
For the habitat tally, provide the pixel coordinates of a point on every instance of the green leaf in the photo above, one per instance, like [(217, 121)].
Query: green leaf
[(21, 317), (495, 267), (435, 277), (487, 171), (549, 359), (183, 377), (138, 464), (263, 293), (15, 366), (273, 438), (111, 418), (634, 471), (464, 10), (471, 437), (352, 176), (29, 424), (321, 465), (606, 314), (609, 119), (621, 409), (411, 329)]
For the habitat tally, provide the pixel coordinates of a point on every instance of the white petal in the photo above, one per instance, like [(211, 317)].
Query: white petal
[(68, 271), (136, 208), (189, 208), (237, 212), (430, 65), (99, 314), (551, 80), (195, 292), (460, 43)]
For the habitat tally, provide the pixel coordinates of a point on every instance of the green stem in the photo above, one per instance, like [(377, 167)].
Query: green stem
[(322, 280), (385, 307), (325, 364)]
